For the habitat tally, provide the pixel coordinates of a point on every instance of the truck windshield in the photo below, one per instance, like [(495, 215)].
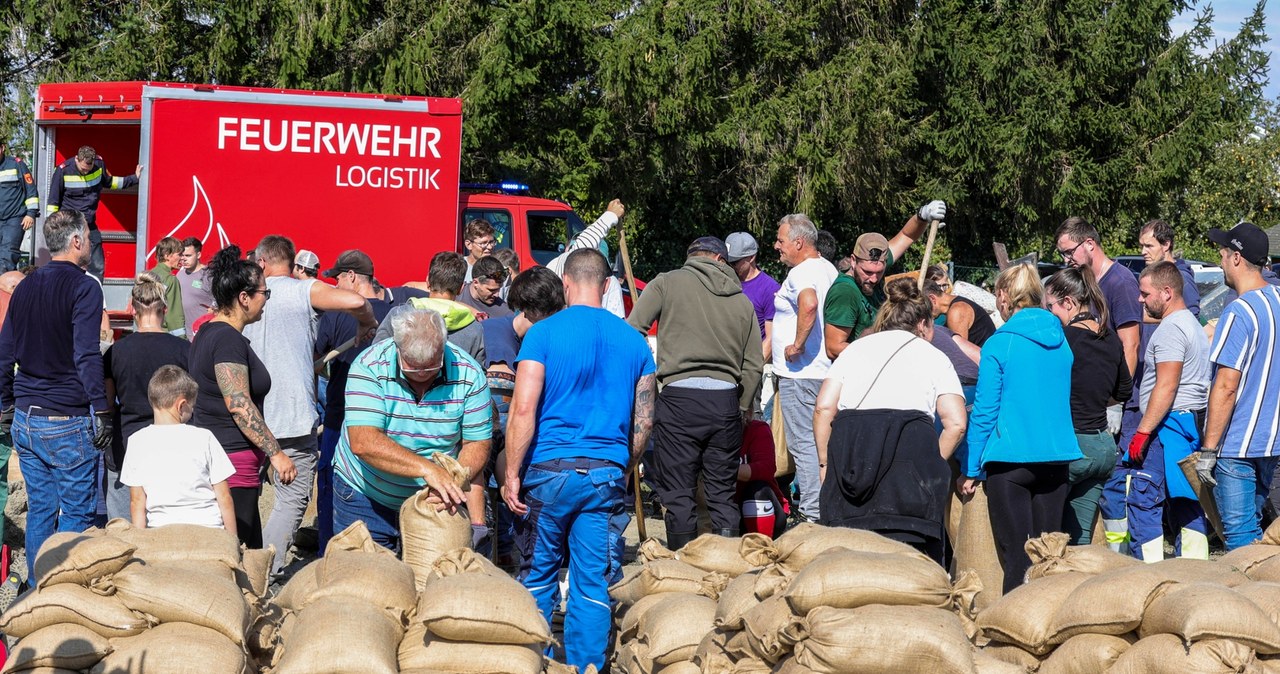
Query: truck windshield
[(550, 232)]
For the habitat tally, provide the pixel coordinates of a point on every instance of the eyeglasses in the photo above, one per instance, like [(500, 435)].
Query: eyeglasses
[(1067, 254), (405, 369), (873, 255), (485, 244), (266, 292)]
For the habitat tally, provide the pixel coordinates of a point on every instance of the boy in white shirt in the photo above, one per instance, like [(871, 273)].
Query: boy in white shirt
[(177, 473)]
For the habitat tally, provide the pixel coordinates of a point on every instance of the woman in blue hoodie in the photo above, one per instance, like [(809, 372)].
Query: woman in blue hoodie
[(1021, 438)]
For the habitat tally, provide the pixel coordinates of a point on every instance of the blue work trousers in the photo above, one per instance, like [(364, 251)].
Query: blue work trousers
[(1159, 493)]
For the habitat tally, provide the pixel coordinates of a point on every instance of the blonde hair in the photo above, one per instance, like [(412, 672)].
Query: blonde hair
[(148, 294), (1021, 284)]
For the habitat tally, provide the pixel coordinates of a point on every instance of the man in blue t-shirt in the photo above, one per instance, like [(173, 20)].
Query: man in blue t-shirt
[(580, 418)]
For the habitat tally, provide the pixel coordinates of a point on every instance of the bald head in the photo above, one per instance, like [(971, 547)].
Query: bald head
[(10, 280)]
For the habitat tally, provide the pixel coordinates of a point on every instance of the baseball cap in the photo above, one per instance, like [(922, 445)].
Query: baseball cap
[(351, 260), (870, 246), (740, 245), (307, 259), (1245, 238), (708, 244)]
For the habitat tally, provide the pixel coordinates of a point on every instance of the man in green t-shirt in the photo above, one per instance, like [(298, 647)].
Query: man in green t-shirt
[(853, 300)]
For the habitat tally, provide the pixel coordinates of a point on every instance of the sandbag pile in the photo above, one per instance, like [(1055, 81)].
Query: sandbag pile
[(174, 599)]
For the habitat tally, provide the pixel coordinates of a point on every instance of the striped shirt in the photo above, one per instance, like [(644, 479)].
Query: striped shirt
[(455, 409), (1245, 340)]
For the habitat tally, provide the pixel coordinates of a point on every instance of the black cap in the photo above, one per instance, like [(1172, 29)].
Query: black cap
[(351, 260), (708, 244), (1245, 238)]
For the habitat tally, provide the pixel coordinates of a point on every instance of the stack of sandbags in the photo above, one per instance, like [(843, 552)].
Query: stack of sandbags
[(347, 611), (472, 618), (426, 531)]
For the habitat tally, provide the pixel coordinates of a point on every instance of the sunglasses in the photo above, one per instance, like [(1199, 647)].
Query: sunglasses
[(266, 292)]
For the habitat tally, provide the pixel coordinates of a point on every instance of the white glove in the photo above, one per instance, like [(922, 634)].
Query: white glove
[(934, 210), (1114, 414)]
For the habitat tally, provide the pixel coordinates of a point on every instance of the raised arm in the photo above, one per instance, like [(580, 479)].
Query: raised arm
[(325, 297)]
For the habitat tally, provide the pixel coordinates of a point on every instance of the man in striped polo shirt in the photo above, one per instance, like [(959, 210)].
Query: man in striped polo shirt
[(408, 397), (1242, 434)]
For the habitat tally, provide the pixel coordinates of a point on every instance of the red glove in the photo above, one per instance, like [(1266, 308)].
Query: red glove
[(1138, 446)]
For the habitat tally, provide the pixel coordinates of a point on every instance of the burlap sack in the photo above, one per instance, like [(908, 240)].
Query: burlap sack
[(477, 608), (337, 636), (738, 597), (1267, 571), (627, 661), (426, 533), (1264, 595), (462, 560), (420, 651), (1025, 616), (1085, 654), (179, 542), (355, 538), (1166, 654), (690, 668), (1203, 611), (1245, 558), (296, 593), (790, 666), (772, 579), (176, 648), (263, 636), (630, 621), (975, 549), (1184, 570), (804, 542), (199, 567), (1109, 603), (1052, 553), (1204, 493), (782, 461), (847, 579), (70, 604), (710, 655), (1011, 655), (379, 580), (670, 630), (254, 573), (710, 552), (883, 640), (666, 575), (80, 558), (172, 595), (984, 663), (66, 646), (1272, 535), (764, 626)]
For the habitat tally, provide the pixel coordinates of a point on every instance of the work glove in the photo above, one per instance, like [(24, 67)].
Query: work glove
[(102, 429), (934, 210), (1138, 447), (1115, 414), (6, 420), (1205, 461)]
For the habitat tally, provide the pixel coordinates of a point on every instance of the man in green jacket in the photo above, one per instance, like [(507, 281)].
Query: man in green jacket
[(709, 370), (167, 253)]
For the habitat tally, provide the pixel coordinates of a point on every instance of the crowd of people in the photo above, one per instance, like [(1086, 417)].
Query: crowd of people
[(1076, 398)]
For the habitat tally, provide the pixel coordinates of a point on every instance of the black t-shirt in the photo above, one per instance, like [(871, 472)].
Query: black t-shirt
[(1098, 373), (402, 294), (335, 328), (130, 364), (983, 327), (218, 342)]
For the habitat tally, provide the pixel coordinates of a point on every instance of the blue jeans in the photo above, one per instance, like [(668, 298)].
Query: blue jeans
[(1242, 489), (350, 506), (324, 487), (798, 397), (10, 243), (577, 511), (60, 467)]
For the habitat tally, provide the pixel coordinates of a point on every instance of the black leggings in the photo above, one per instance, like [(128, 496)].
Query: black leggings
[(248, 517), (1025, 501)]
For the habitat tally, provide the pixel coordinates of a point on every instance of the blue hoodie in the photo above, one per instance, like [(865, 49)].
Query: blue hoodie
[(1022, 411)]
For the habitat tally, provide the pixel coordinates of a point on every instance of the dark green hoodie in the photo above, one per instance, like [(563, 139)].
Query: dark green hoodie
[(706, 326)]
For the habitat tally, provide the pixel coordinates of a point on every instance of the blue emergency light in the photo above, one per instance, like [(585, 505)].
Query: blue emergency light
[(505, 186)]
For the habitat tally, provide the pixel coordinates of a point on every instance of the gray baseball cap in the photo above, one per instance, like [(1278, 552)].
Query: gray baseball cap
[(740, 245)]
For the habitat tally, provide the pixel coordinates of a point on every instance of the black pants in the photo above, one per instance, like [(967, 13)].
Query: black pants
[(248, 517), (1026, 500), (697, 432)]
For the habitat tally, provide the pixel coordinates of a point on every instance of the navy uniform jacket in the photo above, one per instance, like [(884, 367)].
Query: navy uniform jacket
[(17, 190), (82, 191)]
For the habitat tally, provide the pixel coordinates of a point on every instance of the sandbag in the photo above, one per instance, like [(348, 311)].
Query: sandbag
[(1025, 616), (627, 661), (1165, 654), (172, 595), (355, 538), (1109, 603), (337, 636), (174, 648), (1267, 571), (1202, 611), (1245, 558), (1183, 570), (296, 593), (1203, 492), (670, 630), (67, 603), (425, 532), (666, 575), (1052, 553), (80, 558), (1011, 655), (1272, 535), (883, 640), (462, 560), (1265, 595), (764, 626), (772, 579), (711, 654), (379, 580), (254, 573), (1085, 654), (708, 552), (975, 549), (418, 650), (483, 609), (843, 578), (179, 542), (630, 621), (803, 542), (67, 646), (263, 636), (738, 597), (199, 567), (690, 668), (985, 663)]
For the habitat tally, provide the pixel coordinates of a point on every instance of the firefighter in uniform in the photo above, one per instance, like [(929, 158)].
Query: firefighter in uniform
[(77, 184), (19, 206)]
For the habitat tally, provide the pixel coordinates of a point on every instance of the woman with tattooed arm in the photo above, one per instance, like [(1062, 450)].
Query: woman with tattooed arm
[(233, 383)]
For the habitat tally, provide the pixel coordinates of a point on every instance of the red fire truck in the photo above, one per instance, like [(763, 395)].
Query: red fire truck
[(330, 170)]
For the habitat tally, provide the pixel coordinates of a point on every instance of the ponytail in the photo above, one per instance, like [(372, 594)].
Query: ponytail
[(1079, 284)]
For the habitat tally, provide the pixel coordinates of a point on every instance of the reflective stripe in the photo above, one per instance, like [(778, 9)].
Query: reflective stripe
[(1117, 534), (1153, 550), (1195, 545), (93, 177), (9, 172), (117, 183), (51, 208), (33, 202), (8, 178)]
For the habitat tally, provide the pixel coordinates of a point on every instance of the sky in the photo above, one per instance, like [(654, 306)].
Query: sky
[(1227, 16)]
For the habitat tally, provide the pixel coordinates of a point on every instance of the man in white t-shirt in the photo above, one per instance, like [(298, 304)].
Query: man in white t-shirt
[(799, 354)]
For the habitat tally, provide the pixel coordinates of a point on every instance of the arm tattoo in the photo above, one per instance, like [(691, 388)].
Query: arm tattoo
[(642, 414), (233, 381)]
